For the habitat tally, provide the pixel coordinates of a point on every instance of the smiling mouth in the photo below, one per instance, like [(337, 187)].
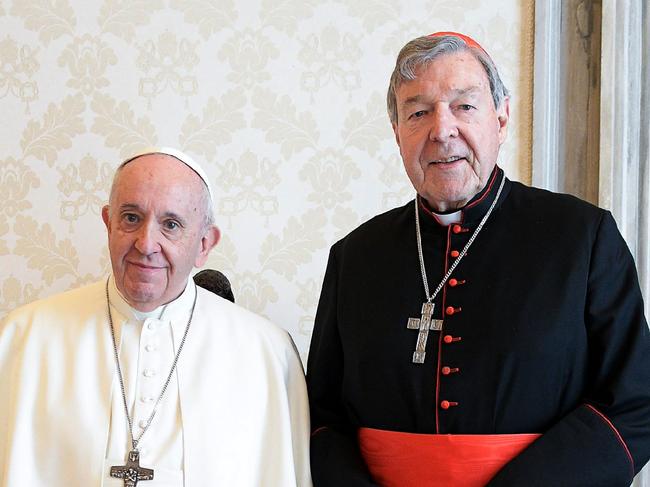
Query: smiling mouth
[(448, 160), (144, 266)]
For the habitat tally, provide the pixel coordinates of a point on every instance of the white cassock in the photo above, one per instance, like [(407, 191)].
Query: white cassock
[(235, 412)]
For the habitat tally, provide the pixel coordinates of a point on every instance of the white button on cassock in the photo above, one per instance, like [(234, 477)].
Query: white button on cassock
[(149, 372)]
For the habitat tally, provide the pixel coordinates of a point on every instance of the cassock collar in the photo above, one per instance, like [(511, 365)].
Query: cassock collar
[(175, 311), (473, 211)]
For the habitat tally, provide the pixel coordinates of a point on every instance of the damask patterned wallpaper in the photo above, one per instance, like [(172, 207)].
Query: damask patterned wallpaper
[(282, 101)]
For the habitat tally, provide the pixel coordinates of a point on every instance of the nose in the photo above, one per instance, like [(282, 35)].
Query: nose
[(443, 125), (146, 241)]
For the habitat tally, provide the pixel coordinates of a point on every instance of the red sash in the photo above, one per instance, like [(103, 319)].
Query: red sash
[(398, 459)]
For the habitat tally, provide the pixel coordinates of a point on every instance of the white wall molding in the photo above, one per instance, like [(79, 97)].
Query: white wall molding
[(624, 182), (546, 100), (619, 188), (566, 100)]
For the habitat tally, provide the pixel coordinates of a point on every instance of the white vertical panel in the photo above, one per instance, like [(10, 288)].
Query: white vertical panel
[(546, 101), (625, 133)]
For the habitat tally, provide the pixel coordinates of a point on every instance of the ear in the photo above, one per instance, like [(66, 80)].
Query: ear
[(503, 116), (208, 241), (395, 131), (106, 218)]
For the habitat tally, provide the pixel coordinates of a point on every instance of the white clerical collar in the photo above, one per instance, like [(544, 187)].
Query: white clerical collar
[(174, 309), (446, 219)]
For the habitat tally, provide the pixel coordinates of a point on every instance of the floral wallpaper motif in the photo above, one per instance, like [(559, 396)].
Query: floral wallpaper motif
[(282, 101), (17, 66), (166, 63), (87, 59), (81, 186)]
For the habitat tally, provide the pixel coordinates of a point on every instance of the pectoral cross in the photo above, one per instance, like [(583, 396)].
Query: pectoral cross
[(424, 324), (132, 472)]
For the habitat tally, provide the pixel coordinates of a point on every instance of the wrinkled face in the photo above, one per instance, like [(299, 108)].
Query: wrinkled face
[(448, 130), (156, 230)]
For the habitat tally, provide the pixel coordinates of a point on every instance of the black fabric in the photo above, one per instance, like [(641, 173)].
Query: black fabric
[(551, 320), (336, 460), (215, 282)]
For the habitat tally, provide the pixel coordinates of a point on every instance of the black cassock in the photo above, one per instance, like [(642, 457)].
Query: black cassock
[(553, 340)]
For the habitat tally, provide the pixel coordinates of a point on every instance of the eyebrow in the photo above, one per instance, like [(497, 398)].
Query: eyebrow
[(167, 214), (412, 100)]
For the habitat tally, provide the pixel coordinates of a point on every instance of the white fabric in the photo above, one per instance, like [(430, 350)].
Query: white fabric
[(447, 219), (243, 401), (147, 351), (181, 156)]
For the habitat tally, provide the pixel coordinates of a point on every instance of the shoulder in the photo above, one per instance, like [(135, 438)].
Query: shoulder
[(556, 213), (240, 326), (71, 306), (63, 317), (559, 204)]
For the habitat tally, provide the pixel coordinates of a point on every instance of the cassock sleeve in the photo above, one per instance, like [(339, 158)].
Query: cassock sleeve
[(606, 440), (335, 457)]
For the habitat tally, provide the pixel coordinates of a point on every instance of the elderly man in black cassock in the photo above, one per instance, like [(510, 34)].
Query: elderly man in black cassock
[(485, 333)]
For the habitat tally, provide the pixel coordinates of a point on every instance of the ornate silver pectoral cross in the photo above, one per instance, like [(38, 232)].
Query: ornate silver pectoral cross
[(424, 324), (132, 472)]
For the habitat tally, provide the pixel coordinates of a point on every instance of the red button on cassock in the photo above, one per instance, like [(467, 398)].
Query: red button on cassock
[(453, 282), (450, 310), (456, 228), (454, 253), (449, 339), (447, 404), (449, 370)]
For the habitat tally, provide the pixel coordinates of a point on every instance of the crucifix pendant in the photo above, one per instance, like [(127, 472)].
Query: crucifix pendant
[(424, 324), (132, 472)]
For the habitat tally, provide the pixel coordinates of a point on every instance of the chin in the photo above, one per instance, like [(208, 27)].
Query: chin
[(142, 296)]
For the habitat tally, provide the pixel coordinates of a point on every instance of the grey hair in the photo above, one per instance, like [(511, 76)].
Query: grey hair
[(423, 50), (206, 200)]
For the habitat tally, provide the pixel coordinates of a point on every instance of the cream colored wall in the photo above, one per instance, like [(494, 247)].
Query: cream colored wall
[(283, 101)]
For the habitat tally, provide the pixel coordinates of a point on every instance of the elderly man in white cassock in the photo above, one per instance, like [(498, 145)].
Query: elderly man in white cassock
[(143, 378)]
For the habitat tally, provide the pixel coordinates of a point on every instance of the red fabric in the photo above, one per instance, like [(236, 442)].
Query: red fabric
[(397, 459)]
